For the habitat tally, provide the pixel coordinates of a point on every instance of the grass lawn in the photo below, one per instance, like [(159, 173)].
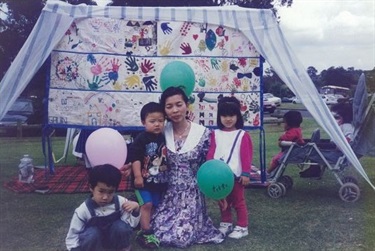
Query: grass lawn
[(310, 217)]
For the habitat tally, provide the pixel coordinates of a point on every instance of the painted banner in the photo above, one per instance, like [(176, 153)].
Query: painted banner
[(104, 70)]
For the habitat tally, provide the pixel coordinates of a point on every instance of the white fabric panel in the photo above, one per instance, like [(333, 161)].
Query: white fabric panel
[(259, 26), (46, 34)]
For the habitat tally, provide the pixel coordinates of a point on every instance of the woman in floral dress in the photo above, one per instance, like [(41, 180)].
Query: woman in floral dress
[(181, 218)]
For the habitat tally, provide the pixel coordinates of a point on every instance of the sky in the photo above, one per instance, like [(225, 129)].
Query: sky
[(325, 33)]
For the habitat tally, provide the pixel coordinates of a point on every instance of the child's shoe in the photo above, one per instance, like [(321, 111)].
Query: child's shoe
[(147, 239), (238, 232), (225, 228)]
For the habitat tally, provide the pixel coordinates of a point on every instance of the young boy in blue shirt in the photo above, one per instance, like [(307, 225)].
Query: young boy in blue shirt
[(148, 156)]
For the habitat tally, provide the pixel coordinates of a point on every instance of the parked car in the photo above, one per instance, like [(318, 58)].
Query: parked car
[(287, 99), (268, 106), (329, 99), (20, 111), (296, 100), (272, 98)]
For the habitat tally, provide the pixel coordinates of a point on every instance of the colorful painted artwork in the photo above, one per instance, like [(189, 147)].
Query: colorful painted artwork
[(104, 70)]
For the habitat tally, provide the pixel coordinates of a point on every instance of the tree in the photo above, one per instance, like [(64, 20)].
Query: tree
[(16, 27), (339, 77), (273, 84)]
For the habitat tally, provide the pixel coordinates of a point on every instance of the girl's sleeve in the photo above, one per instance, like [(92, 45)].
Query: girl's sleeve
[(212, 147), (246, 152)]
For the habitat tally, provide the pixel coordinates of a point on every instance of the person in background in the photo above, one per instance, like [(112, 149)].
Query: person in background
[(292, 132), (342, 112), (148, 156), (181, 218), (233, 145), (105, 220)]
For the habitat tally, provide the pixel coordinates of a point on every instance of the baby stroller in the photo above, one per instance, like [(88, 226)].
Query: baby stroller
[(314, 152)]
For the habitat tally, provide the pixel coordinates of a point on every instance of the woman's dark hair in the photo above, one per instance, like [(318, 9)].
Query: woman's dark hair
[(229, 106), (172, 91), (345, 110), (293, 118), (107, 174)]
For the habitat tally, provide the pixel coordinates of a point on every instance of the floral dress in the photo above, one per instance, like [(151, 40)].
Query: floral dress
[(181, 217)]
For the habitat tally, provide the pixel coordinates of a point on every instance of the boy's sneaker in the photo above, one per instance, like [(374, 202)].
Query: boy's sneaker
[(238, 232), (147, 239), (225, 228)]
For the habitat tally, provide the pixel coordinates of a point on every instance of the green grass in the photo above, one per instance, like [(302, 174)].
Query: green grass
[(310, 217)]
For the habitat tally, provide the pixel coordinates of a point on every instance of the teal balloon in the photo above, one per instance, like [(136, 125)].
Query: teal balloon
[(215, 179), (178, 74)]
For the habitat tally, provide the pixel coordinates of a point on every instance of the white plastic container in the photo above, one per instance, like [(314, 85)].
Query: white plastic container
[(26, 169)]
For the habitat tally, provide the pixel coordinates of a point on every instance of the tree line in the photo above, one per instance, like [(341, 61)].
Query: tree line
[(337, 76)]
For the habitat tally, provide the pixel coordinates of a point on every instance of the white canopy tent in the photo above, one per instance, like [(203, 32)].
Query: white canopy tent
[(258, 25)]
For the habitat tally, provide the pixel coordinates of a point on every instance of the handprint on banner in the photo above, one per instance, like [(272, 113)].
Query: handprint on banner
[(242, 62), (132, 82), (146, 66), (165, 28), (254, 85), (224, 66), (114, 65), (91, 58), (186, 48), (201, 82), (149, 83), (112, 69), (203, 65), (236, 82), (131, 62), (117, 85), (233, 67), (110, 76), (215, 63), (165, 48), (211, 81), (245, 84), (97, 65), (190, 115), (95, 84)]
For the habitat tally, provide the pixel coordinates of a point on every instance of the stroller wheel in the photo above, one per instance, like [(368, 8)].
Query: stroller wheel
[(286, 180), (349, 192), (283, 188), (348, 179), (275, 190)]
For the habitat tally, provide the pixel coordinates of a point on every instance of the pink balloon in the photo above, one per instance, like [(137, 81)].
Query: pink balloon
[(106, 146)]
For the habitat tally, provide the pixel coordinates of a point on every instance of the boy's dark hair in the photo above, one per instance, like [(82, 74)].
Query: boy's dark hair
[(229, 106), (345, 110), (171, 91), (293, 118), (150, 107), (107, 174)]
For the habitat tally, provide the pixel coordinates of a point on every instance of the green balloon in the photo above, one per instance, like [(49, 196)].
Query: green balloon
[(178, 74), (215, 179)]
